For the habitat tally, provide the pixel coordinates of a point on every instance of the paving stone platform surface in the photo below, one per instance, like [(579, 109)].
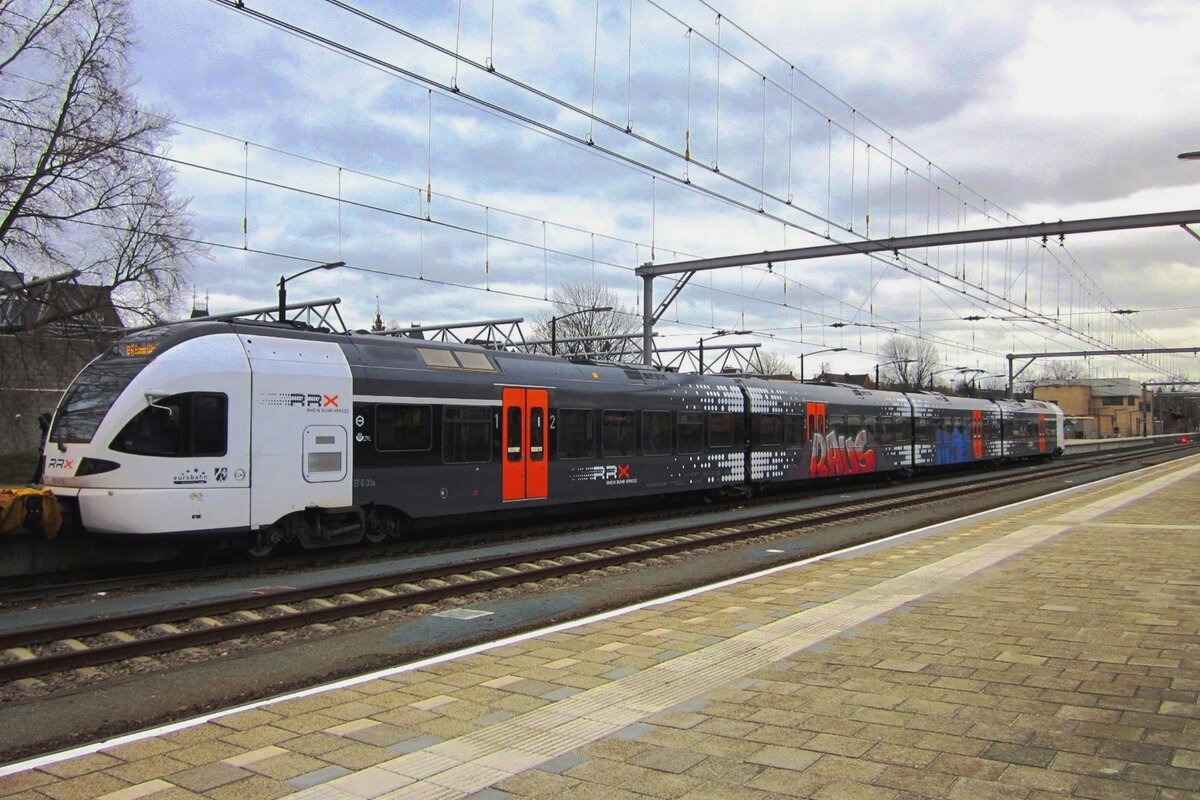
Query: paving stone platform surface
[(1051, 650)]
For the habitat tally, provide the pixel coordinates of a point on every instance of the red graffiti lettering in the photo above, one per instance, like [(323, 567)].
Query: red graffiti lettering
[(834, 455)]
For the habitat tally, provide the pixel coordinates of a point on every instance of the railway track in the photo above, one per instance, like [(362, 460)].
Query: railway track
[(48, 587), (79, 645)]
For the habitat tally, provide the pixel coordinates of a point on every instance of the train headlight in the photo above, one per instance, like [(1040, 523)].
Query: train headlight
[(94, 466)]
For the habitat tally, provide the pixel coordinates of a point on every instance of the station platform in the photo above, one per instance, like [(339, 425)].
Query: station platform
[(1047, 650)]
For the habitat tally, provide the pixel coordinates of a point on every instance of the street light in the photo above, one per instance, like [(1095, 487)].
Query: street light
[(940, 371), (554, 324), (714, 335), (815, 352), (283, 281), (974, 372)]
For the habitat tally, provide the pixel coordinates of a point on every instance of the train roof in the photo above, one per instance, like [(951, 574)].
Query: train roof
[(363, 349)]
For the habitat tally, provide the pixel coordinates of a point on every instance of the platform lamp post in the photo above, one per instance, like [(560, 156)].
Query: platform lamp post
[(283, 283), (714, 335), (817, 352), (940, 371), (554, 324), (974, 372)]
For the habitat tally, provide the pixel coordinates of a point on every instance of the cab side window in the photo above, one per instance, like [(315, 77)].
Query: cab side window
[(182, 425)]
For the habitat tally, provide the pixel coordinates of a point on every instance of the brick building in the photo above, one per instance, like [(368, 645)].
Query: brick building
[(47, 334), (1101, 407)]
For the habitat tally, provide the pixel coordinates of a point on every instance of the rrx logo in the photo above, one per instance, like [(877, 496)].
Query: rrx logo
[(313, 400), (610, 474)]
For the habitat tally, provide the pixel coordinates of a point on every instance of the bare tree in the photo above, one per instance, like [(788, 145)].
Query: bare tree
[(80, 183), (1055, 371), (907, 363), (578, 312), (774, 364)]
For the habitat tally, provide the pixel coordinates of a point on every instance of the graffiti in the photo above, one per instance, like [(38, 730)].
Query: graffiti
[(834, 455), (954, 445)]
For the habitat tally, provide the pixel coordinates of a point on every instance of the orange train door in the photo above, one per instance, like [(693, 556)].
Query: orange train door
[(977, 433), (523, 432)]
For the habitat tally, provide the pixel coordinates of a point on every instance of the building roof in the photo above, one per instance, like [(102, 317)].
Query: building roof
[(58, 304), (1100, 387)]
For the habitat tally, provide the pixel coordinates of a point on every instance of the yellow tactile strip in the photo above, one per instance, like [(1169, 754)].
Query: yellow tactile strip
[(794, 727)]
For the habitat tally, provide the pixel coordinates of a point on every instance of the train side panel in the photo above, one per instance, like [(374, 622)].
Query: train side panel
[(426, 429), (856, 431), (1032, 428), (955, 430), (300, 427)]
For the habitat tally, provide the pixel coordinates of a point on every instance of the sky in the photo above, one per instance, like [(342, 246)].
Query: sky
[(573, 141)]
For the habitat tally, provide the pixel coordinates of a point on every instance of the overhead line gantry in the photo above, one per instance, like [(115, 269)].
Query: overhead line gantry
[(648, 272)]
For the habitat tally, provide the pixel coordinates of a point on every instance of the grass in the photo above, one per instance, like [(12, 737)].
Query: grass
[(17, 468)]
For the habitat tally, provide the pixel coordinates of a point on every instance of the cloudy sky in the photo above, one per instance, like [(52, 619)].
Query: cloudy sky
[(585, 139)]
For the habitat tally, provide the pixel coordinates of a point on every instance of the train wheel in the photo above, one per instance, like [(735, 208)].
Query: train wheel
[(263, 544), (382, 524)]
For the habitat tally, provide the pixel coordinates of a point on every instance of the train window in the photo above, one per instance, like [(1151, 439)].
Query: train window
[(537, 434), (576, 433), (770, 429), (455, 359), (182, 425), (793, 430), (466, 435), (408, 428), (720, 429), (90, 397), (690, 431), (513, 446), (437, 358), (853, 425), (868, 425), (473, 360), (154, 431), (617, 433), (209, 424), (923, 431), (656, 433)]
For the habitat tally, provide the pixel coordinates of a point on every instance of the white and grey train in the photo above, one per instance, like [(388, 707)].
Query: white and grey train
[(261, 433)]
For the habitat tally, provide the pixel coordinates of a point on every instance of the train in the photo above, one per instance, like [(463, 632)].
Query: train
[(260, 434)]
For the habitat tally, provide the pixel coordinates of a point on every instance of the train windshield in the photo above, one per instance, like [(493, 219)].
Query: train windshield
[(89, 399)]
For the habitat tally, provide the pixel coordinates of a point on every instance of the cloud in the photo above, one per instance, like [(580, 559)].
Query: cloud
[(1047, 110)]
